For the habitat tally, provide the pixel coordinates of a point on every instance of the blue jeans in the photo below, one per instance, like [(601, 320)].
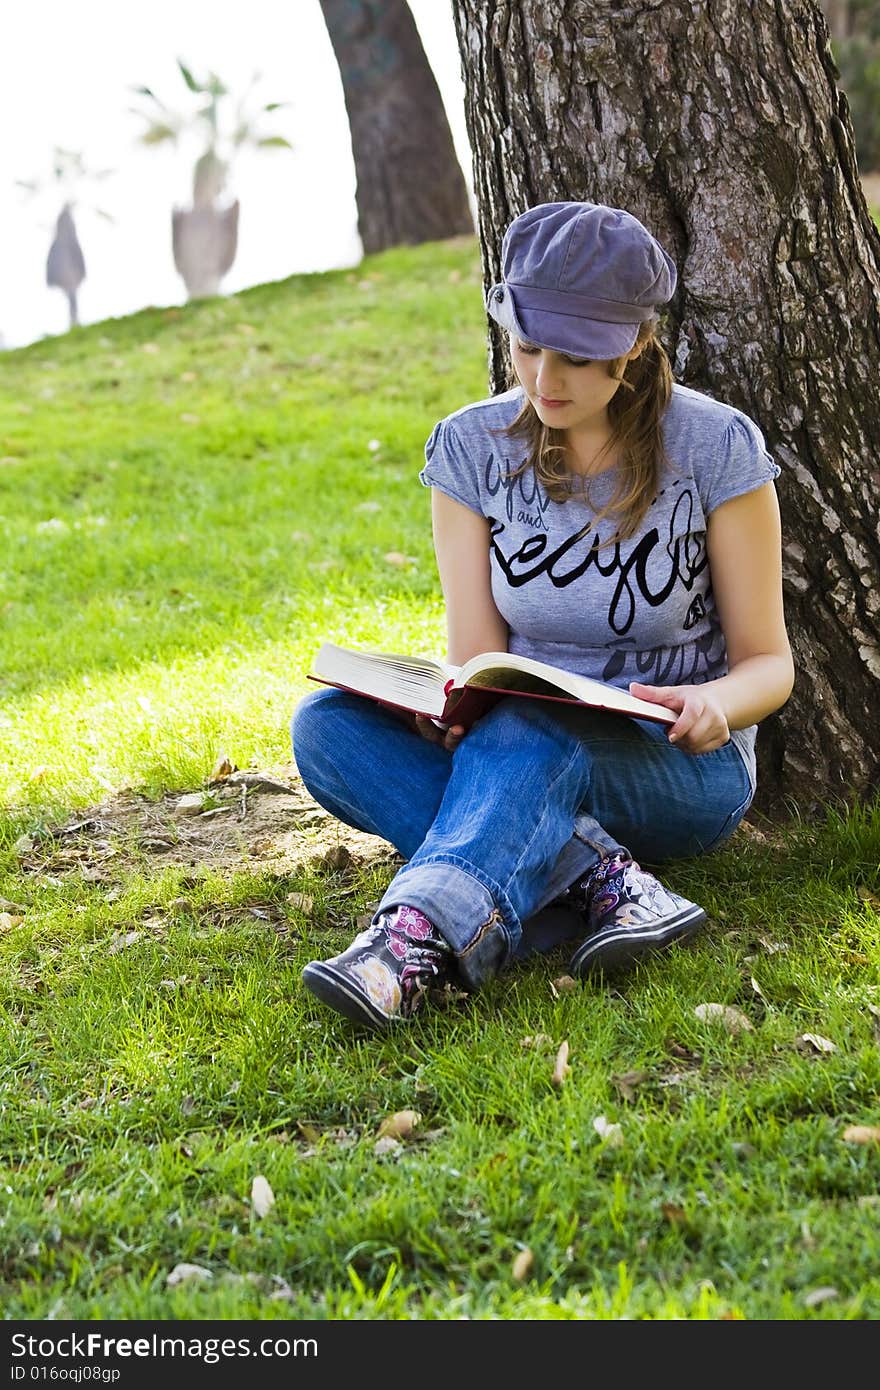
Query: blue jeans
[(532, 797)]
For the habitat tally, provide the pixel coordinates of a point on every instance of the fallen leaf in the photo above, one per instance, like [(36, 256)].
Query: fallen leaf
[(262, 1196), (627, 1082), (869, 897), (685, 1054), (8, 921), (563, 983), (181, 1273), (23, 845), (309, 1132), (751, 831), (120, 942), (39, 773), (187, 418), (814, 1042), (536, 1040), (400, 1125), (611, 1134), (151, 348), (336, 857), (522, 1265), (305, 902), (734, 1021), (223, 767), (817, 1296), (17, 910), (771, 947), (861, 1134), (561, 1067), (395, 557), (675, 1215), (756, 988), (387, 1145)]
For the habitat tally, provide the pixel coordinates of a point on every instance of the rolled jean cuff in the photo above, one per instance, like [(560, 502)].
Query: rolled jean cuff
[(471, 912)]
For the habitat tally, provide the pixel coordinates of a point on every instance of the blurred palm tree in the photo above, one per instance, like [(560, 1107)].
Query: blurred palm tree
[(204, 237), (65, 264)]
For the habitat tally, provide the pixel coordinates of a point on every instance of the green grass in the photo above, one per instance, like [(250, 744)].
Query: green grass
[(189, 503)]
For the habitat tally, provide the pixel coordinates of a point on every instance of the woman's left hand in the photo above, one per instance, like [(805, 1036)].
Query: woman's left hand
[(701, 726)]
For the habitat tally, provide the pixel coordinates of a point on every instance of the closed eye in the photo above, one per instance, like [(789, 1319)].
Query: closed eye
[(529, 350)]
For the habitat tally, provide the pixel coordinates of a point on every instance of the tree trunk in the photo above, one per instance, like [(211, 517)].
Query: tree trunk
[(204, 241), (65, 264), (839, 16), (720, 125), (410, 186)]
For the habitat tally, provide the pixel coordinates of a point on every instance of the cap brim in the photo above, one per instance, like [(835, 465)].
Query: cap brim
[(592, 339)]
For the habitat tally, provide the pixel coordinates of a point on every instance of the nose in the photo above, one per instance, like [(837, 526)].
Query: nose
[(547, 378)]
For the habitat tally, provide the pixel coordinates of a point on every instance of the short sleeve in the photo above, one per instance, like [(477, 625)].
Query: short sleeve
[(450, 467), (740, 464)]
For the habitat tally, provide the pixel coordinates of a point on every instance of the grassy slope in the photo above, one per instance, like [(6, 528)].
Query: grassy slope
[(189, 503)]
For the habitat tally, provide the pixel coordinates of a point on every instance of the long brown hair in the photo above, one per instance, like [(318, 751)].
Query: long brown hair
[(635, 411)]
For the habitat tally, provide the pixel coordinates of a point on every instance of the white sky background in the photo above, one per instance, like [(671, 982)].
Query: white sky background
[(65, 74)]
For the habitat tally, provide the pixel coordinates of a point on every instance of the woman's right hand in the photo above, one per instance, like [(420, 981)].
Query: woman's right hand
[(449, 737)]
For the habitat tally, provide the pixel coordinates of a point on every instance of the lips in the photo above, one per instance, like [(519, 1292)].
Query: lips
[(543, 400)]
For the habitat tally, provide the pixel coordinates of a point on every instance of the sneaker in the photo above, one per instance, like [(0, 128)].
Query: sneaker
[(629, 915), (386, 972)]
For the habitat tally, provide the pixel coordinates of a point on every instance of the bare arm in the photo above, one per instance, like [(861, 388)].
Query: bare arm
[(745, 559), (461, 544), (473, 623)]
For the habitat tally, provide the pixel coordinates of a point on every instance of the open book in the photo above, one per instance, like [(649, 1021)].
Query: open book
[(460, 694)]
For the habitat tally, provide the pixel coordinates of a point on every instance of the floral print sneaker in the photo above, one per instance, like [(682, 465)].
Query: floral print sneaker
[(386, 972), (629, 914)]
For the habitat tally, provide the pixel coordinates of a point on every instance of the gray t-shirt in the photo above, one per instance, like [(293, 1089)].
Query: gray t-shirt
[(639, 609)]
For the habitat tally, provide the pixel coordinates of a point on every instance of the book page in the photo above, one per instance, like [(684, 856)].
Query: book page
[(506, 671), (410, 682)]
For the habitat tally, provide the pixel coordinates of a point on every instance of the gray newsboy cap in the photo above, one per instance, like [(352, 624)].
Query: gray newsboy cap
[(579, 278)]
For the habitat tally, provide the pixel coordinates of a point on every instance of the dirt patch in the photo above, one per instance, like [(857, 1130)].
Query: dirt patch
[(258, 821), (262, 821)]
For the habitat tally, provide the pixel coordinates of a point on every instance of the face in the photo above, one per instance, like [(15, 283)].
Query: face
[(567, 393)]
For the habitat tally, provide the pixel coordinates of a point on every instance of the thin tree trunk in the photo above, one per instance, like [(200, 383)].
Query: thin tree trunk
[(410, 185), (65, 264), (839, 16), (720, 125)]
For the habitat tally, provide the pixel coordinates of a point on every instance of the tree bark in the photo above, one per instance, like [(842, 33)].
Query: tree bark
[(410, 185), (719, 123)]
